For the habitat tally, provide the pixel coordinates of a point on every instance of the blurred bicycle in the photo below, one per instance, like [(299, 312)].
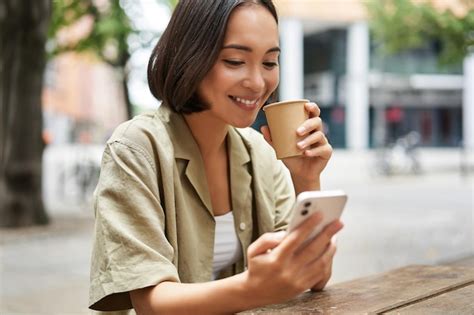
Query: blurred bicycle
[(401, 157), (78, 176)]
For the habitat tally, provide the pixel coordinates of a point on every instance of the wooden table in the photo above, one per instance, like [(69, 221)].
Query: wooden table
[(408, 290)]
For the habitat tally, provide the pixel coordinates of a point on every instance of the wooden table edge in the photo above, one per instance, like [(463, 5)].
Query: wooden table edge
[(430, 294)]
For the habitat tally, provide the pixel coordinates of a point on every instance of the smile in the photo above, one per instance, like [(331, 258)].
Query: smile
[(245, 103)]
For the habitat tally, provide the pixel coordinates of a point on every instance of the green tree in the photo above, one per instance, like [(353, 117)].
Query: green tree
[(405, 24), (109, 35), (25, 26)]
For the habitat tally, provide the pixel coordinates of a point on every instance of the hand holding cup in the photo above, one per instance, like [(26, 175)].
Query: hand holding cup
[(295, 131)]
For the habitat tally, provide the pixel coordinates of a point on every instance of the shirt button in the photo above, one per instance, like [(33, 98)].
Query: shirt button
[(242, 226)]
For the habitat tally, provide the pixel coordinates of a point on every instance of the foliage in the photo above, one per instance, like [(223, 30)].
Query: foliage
[(102, 28), (108, 33), (405, 24), (107, 24)]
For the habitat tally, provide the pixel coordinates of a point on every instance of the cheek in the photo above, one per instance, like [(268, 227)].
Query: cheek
[(230, 77), (223, 78), (207, 87), (272, 81)]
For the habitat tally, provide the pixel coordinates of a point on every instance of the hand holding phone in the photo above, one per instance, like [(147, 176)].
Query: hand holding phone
[(329, 203)]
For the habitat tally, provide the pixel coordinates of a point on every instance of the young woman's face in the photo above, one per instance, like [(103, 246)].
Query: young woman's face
[(246, 71)]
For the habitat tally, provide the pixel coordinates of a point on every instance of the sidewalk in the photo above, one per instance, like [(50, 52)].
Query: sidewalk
[(45, 270), (389, 222)]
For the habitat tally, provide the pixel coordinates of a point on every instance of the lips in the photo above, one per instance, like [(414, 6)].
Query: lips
[(244, 102)]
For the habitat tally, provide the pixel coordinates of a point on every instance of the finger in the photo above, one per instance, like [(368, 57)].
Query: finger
[(325, 262), (320, 285), (295, 239), (313, 109), (324, 279), (315, 248), (323, 151), (264, 243), (266, 134), (331, 229), (310, 125), (312, 139)]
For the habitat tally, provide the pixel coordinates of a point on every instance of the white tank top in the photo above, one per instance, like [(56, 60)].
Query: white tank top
[(227, 248)]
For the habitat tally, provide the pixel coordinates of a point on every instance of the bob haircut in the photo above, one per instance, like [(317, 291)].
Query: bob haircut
[(188, 49)]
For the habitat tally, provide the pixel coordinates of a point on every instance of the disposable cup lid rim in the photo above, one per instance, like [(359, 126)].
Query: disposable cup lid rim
[(284, 102)]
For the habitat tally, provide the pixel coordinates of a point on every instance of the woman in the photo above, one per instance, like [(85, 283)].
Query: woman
[(186, 196)]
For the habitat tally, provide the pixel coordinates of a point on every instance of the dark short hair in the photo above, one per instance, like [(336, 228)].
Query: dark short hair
[(188, 49)]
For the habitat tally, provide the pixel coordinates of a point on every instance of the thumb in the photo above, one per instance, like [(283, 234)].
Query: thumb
[(266, 134), (264, 243)]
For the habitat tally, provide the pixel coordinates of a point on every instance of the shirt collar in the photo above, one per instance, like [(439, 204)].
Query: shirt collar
[(185, 147), (238, 151)]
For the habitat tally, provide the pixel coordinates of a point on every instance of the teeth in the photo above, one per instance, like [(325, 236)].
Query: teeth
[(246, 102)]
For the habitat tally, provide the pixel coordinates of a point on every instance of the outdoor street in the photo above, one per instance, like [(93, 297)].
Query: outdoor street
[(389, 222), (402, 220)]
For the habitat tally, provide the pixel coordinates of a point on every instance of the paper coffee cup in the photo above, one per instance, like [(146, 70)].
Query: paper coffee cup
[(283, 119)]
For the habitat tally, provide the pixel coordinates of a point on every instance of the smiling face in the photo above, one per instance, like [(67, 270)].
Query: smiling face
[(246, 72)]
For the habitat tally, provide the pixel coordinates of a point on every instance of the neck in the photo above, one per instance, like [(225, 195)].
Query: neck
[(208, 132)]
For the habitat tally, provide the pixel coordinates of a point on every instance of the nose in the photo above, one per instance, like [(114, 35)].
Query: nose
[(254, 81)]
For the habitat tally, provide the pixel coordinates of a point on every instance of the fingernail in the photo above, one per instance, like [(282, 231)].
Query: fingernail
[(334, 239), (301, 144), (300, 130)]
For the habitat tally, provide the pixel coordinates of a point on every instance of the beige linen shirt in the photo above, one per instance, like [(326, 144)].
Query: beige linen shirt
[(154, 218)]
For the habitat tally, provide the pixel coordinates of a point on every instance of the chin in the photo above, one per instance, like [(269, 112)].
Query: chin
[(243, 123)]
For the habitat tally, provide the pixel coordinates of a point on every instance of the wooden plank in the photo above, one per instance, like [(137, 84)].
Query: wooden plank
[(464, 262), (456, 302), (376, 294)]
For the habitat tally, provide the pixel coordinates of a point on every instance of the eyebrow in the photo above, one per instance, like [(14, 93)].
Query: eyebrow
[(246, 48)]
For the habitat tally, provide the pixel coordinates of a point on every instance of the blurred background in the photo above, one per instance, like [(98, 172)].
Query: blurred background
[(394, 80)]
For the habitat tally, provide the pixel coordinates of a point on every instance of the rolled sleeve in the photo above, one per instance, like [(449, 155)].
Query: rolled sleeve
[(130, 249)]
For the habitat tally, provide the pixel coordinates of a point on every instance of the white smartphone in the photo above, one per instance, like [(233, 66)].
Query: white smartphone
[(330, 203)]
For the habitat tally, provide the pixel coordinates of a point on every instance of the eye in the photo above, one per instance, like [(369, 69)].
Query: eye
[(234, 63), (270, 65)]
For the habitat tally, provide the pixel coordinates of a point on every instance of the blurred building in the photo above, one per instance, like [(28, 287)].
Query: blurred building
[(368, 99), (83, 100)]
